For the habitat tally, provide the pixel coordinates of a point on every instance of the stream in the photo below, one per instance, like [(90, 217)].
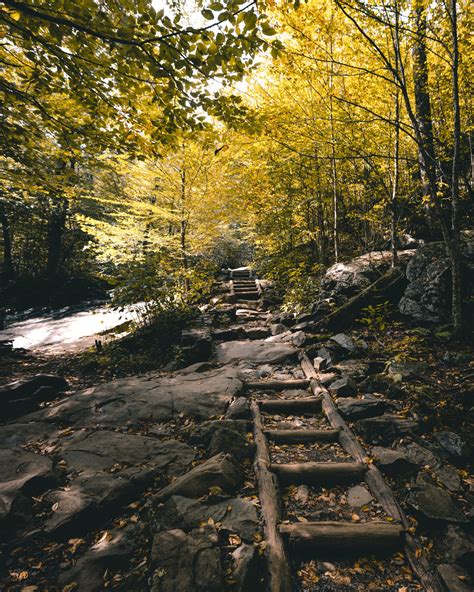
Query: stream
[(65, 330)]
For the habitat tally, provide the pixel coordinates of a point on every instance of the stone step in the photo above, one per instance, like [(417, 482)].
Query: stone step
[(278, 385)]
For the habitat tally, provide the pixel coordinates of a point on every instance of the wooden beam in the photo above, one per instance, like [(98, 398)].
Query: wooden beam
[(302, 436), (291, 406), (276, 555), (324, 473), (340, 537), (277, 385)]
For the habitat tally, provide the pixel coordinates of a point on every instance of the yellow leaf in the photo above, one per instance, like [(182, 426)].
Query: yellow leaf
[(15, 15)]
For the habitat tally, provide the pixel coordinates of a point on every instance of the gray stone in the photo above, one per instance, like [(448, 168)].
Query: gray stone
[(197, 344), (421, 456), (450, 576), (344, 341), (326, 378), (143, 398), (188, 562), (385, 429), (392, 461), (265, 370), (435, 503), (232, 442), (358, 496), (356, 369), (219, 471), (449, 477), (352, 409), (298, 339), (111, 553), (326, 355), (427, 296), (238, 409), (343, 387), (246, 568), (257, 333), (259, 352), (22, 475), (236, 515), (302, 494), (319, 363), (458, 547), (277, 328), (453, 444)]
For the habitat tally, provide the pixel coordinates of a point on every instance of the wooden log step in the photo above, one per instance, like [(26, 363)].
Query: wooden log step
[(341, 537), (277, 385), (320, 473), (302, 436), (291, 406)]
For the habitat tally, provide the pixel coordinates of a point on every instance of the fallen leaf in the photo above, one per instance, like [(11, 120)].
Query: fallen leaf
[(55, 506)]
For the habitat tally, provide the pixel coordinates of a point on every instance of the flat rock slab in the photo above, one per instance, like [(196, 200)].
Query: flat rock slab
[(258, 351), (133, 400), (385, 429), (352, 409), (435, 503), (235, 515)]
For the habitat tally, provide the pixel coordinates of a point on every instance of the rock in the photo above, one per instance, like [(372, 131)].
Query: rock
[(246, 569), (450, 575), (257, 333), (197, 345), (343, 280), (238, 409), (277, 328), (302, 494), (108, 554), (28, 387), (453, 444), (356, 369), (385, 429), (229, 333), (352, 409), (428, 294), (344, 341), (343, 387), (259, 352), (421, 456), (232, 442), (235, 515), (402, 371), (458, 547), (435, 503), (326, 355), (188, 562), (140, 399), (319, 363), (392, 461), (219, 471), (265, 370), (203, 433), (449, 477), (298, 339), (197, 368), (358, 496), (22, 475)]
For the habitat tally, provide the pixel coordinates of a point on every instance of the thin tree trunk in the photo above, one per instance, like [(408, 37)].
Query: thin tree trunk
[(396, 169), (8, 270), (335, 205), (56, 229), (183, 229), (455, 250), (426, 149)]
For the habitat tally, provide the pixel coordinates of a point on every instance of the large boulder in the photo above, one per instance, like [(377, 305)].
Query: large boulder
[(428, 294), (343, 280)]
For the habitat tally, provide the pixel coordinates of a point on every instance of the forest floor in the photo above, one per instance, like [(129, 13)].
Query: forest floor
[(77, 518)]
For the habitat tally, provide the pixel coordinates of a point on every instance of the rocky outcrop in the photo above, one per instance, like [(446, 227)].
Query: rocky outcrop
[(343, 280), (428, 294)]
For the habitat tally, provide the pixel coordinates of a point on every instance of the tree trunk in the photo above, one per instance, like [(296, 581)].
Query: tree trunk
[(426, 149), (335, 204), (8, 270), (396, 168), (455, 250), (56, 227)]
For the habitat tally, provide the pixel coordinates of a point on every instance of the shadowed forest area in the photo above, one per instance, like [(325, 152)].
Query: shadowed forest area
[(236, 295)]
